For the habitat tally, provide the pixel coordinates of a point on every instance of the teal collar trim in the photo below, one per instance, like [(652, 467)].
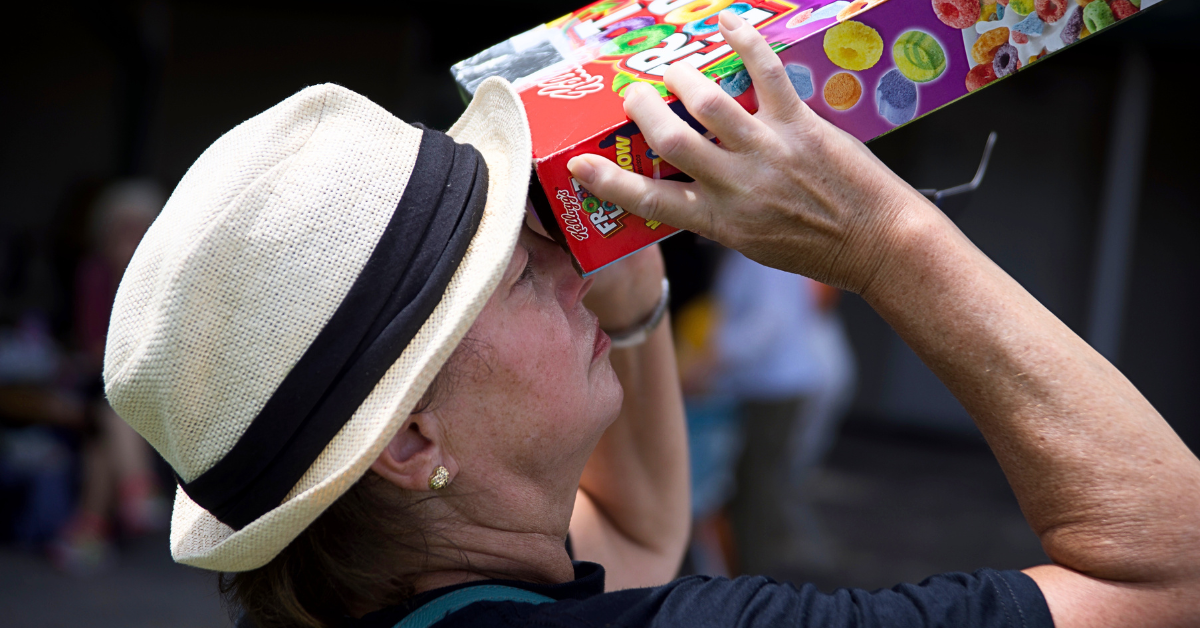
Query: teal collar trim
[(437, 609)]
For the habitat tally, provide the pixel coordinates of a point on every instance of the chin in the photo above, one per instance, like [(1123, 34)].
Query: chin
[(612, 394)]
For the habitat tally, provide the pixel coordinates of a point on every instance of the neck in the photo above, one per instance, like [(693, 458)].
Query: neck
[(475, 556), (458, 551), (486, 553), (517, 532)]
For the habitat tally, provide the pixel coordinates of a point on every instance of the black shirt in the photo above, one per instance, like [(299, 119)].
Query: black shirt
[(984, 599)]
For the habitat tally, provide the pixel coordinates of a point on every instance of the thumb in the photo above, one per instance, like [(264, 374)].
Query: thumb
[(670, 202)]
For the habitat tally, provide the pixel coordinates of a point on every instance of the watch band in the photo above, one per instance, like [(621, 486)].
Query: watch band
[(635, 336)]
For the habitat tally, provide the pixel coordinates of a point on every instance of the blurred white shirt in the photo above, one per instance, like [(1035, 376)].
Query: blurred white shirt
[(767, 335)]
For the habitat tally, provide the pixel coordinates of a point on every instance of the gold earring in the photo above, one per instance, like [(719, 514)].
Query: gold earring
[(440, 479)]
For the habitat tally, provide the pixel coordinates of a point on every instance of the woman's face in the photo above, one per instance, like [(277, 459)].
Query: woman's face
[(536, 389)]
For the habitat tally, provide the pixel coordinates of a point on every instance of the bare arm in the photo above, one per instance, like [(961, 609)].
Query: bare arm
[(1111, 491), (632, 513)]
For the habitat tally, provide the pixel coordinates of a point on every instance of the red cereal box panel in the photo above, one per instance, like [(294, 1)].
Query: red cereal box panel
[(867, 66)]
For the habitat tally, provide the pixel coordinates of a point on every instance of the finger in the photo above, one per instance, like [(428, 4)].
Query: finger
[(669, 135), (715, 109), (670, 202), (776, 96)]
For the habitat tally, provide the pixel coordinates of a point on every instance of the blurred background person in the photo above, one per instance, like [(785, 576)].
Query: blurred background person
[(79, 478), (767, 373), (714, 437), (38, 416), (118, 483), (783, 355)]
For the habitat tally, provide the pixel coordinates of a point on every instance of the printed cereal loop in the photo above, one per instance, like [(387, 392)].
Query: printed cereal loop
[(984, 48), (598, 10), (624, 79), (853, 9), (634, 42), (842, 91), (918, 56), (1006, 60), (702, 26), (987, 12), (737, 83), (957, 13), (698, 10), (896, 97), (1019, 38), (1050, 11), (796, 20), (1031, 26), (617, 29), (854, 45), (1022, 7), (979, 76), (1122, 9), (1071, 30), (830, 10), (1097, 15), (801, 79)]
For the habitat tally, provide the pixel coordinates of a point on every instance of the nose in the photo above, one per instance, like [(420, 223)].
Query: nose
[(569, 286)]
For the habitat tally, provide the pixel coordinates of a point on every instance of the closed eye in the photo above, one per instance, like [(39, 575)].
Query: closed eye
[(527, 272)]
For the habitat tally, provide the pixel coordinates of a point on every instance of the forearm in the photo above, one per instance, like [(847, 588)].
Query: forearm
[(1103, 480), (637, 477)]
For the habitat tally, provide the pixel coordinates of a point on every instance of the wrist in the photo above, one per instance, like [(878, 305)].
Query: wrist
[(893, 244), (627, 304), (911, 254), (636, 334)]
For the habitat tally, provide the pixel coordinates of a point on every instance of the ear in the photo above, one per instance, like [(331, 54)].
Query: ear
[(413, 453)]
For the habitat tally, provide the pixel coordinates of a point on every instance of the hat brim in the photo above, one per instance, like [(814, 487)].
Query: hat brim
[(496, 125)]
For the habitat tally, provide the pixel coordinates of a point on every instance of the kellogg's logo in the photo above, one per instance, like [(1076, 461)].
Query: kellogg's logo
[(570, 217), (606, 218), (571, 85)]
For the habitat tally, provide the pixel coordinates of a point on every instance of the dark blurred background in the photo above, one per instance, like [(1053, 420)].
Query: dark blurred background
[(1089, 203)]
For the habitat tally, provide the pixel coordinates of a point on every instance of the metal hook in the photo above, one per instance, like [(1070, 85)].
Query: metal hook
[(945, 199)]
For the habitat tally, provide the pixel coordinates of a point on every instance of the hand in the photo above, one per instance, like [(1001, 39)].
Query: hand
[(626, 292), (784, 187)]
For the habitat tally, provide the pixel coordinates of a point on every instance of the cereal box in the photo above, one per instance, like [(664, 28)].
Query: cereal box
[(867, 66)]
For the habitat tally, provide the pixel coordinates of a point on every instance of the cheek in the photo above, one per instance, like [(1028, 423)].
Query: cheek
[(542, 379), (542, 365)]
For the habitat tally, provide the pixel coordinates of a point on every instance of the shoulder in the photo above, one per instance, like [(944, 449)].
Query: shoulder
[(984, 599)]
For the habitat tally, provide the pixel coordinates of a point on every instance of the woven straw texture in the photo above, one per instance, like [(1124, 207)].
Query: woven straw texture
[(251, 256)]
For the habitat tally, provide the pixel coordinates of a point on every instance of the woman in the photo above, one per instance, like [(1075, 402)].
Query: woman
[(283, 318)]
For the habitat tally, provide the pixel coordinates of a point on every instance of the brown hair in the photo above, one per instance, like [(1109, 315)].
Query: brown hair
[(363, 552), (347, 558)]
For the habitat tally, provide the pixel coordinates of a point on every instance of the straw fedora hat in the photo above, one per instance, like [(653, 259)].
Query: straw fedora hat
[(290, 305)]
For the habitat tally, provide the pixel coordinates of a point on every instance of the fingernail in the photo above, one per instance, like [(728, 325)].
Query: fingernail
[(583, 171), (730, 20), (636, 87)]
